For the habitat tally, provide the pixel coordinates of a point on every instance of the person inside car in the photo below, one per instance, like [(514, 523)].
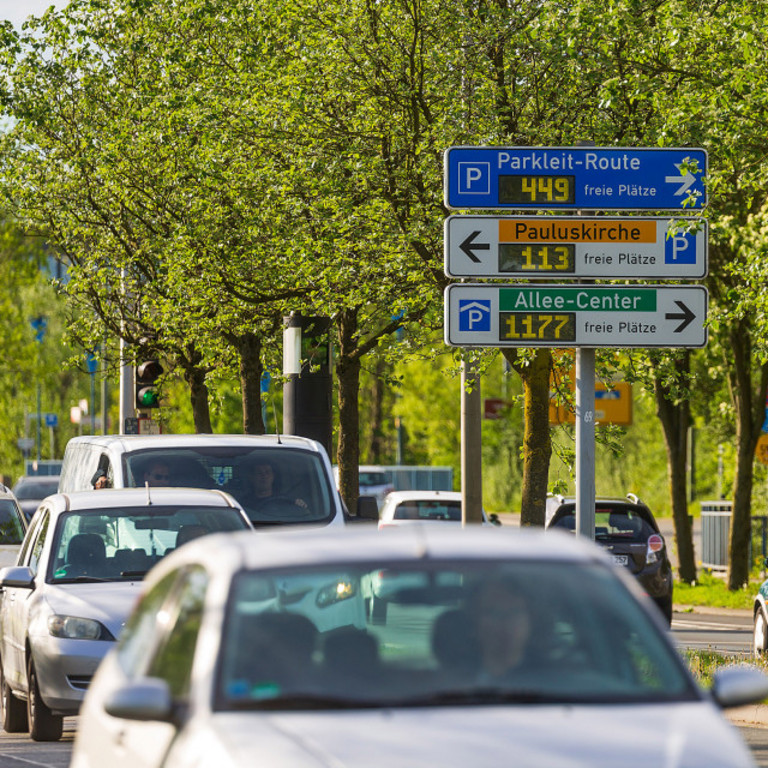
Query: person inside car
[(503, 625)]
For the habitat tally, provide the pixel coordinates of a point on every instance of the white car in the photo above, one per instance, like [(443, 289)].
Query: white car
[(409, 507), (504, 646), (78, 575), (302, 490), (372, 481)]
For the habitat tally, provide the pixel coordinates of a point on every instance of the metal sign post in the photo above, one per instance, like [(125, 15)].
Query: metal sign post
[(579, 315)]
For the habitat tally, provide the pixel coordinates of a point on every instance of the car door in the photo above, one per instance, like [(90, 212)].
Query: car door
[(14, 612), (158, 641)]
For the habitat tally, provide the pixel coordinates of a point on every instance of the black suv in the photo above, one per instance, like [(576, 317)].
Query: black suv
[(627, 529)]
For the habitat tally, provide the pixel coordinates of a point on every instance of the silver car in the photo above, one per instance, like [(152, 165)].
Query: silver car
[(77, 577), (500, 645)]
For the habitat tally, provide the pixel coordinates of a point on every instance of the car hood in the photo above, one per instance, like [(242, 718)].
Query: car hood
[(694, 735), (108, 602)]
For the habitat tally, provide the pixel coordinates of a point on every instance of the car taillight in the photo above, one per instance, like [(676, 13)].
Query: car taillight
[(655, 545)]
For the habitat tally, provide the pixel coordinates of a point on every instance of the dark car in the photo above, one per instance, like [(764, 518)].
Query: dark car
[(627, 529), (30, 490)]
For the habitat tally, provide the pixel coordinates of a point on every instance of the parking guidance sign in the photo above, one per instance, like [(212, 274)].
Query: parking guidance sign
[(529, 315), (598, 178), (575, 246)]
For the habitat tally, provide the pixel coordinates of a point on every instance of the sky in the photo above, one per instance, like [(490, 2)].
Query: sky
[(18, 10)]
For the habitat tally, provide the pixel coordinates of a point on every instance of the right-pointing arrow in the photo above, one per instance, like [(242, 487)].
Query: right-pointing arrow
[(686, 316), (469, 246)]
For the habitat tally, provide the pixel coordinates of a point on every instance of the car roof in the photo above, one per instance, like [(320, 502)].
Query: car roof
[(134, 497), (399, 496), (304, 547), (125, 443)]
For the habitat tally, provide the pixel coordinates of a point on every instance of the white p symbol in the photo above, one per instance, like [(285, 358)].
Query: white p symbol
[(680, 244), (473, 174), (475, 316)]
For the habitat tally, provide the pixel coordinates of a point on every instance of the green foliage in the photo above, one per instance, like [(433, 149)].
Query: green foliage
[(712, 590)]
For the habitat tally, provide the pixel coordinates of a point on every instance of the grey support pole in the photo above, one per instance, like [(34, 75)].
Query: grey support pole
[(471, 445), (585, 442)]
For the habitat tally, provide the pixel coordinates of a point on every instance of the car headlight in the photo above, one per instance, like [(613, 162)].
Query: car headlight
[(76, 628), (335, 593)]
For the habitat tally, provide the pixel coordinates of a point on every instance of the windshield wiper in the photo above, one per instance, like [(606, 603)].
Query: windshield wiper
[(483, 695), (304, 701), (81, 579)]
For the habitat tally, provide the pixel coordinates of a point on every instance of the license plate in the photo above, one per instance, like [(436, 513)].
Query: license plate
[(620, 559)]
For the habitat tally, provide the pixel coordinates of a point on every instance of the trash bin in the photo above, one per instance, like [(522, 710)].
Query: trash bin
[(715, 530)]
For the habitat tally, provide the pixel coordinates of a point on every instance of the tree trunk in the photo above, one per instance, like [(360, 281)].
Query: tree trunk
[(377, 412), (251, 370), (749, 405), (348, 379), (198, 395), (675, 420), (537, 442)]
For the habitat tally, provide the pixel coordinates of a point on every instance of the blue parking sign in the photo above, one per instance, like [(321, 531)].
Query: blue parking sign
[(474, 315)]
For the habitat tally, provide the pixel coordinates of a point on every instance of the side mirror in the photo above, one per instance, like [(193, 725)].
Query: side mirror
[(367, 508), (17, 576), (739, 684), (146, 699), (494, 519)]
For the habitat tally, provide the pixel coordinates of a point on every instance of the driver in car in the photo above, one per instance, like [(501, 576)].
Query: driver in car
[(260, 482)]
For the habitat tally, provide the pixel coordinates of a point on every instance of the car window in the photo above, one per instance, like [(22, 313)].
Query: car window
[(11, 527), (298, 490), (428, 510), (36, 489), (137, 639), (174, 655), (437, 633), (36, 547), (614, 524), (125, 542), (373, 478)]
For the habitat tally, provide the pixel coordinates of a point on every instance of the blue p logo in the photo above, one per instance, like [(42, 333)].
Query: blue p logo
[(474, 315)]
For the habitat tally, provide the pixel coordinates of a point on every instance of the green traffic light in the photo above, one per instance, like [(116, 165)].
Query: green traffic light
[(147, 397)]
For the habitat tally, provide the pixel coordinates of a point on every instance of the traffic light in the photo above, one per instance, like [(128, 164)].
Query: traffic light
[(146, 376)]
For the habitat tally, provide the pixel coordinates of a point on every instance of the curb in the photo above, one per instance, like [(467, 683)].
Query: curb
[(712, 610), (752, 714)]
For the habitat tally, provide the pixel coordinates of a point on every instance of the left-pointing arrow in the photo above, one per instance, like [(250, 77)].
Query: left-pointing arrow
[(469, 246), (686, 316)]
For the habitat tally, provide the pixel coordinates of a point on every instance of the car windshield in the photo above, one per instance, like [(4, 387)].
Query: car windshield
[(125, 542), (372, 478), (428, 510), (441, 635), (11, 528), (275, 486)]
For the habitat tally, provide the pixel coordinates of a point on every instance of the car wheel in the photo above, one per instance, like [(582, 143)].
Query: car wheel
[(43, 724), (665, 606), (760, 635), (14, 711), (378, 610)]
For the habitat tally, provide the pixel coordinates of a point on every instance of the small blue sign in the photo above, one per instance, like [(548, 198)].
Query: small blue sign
[(597, 178), (474, 315), (51, 420), (680, 248)]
